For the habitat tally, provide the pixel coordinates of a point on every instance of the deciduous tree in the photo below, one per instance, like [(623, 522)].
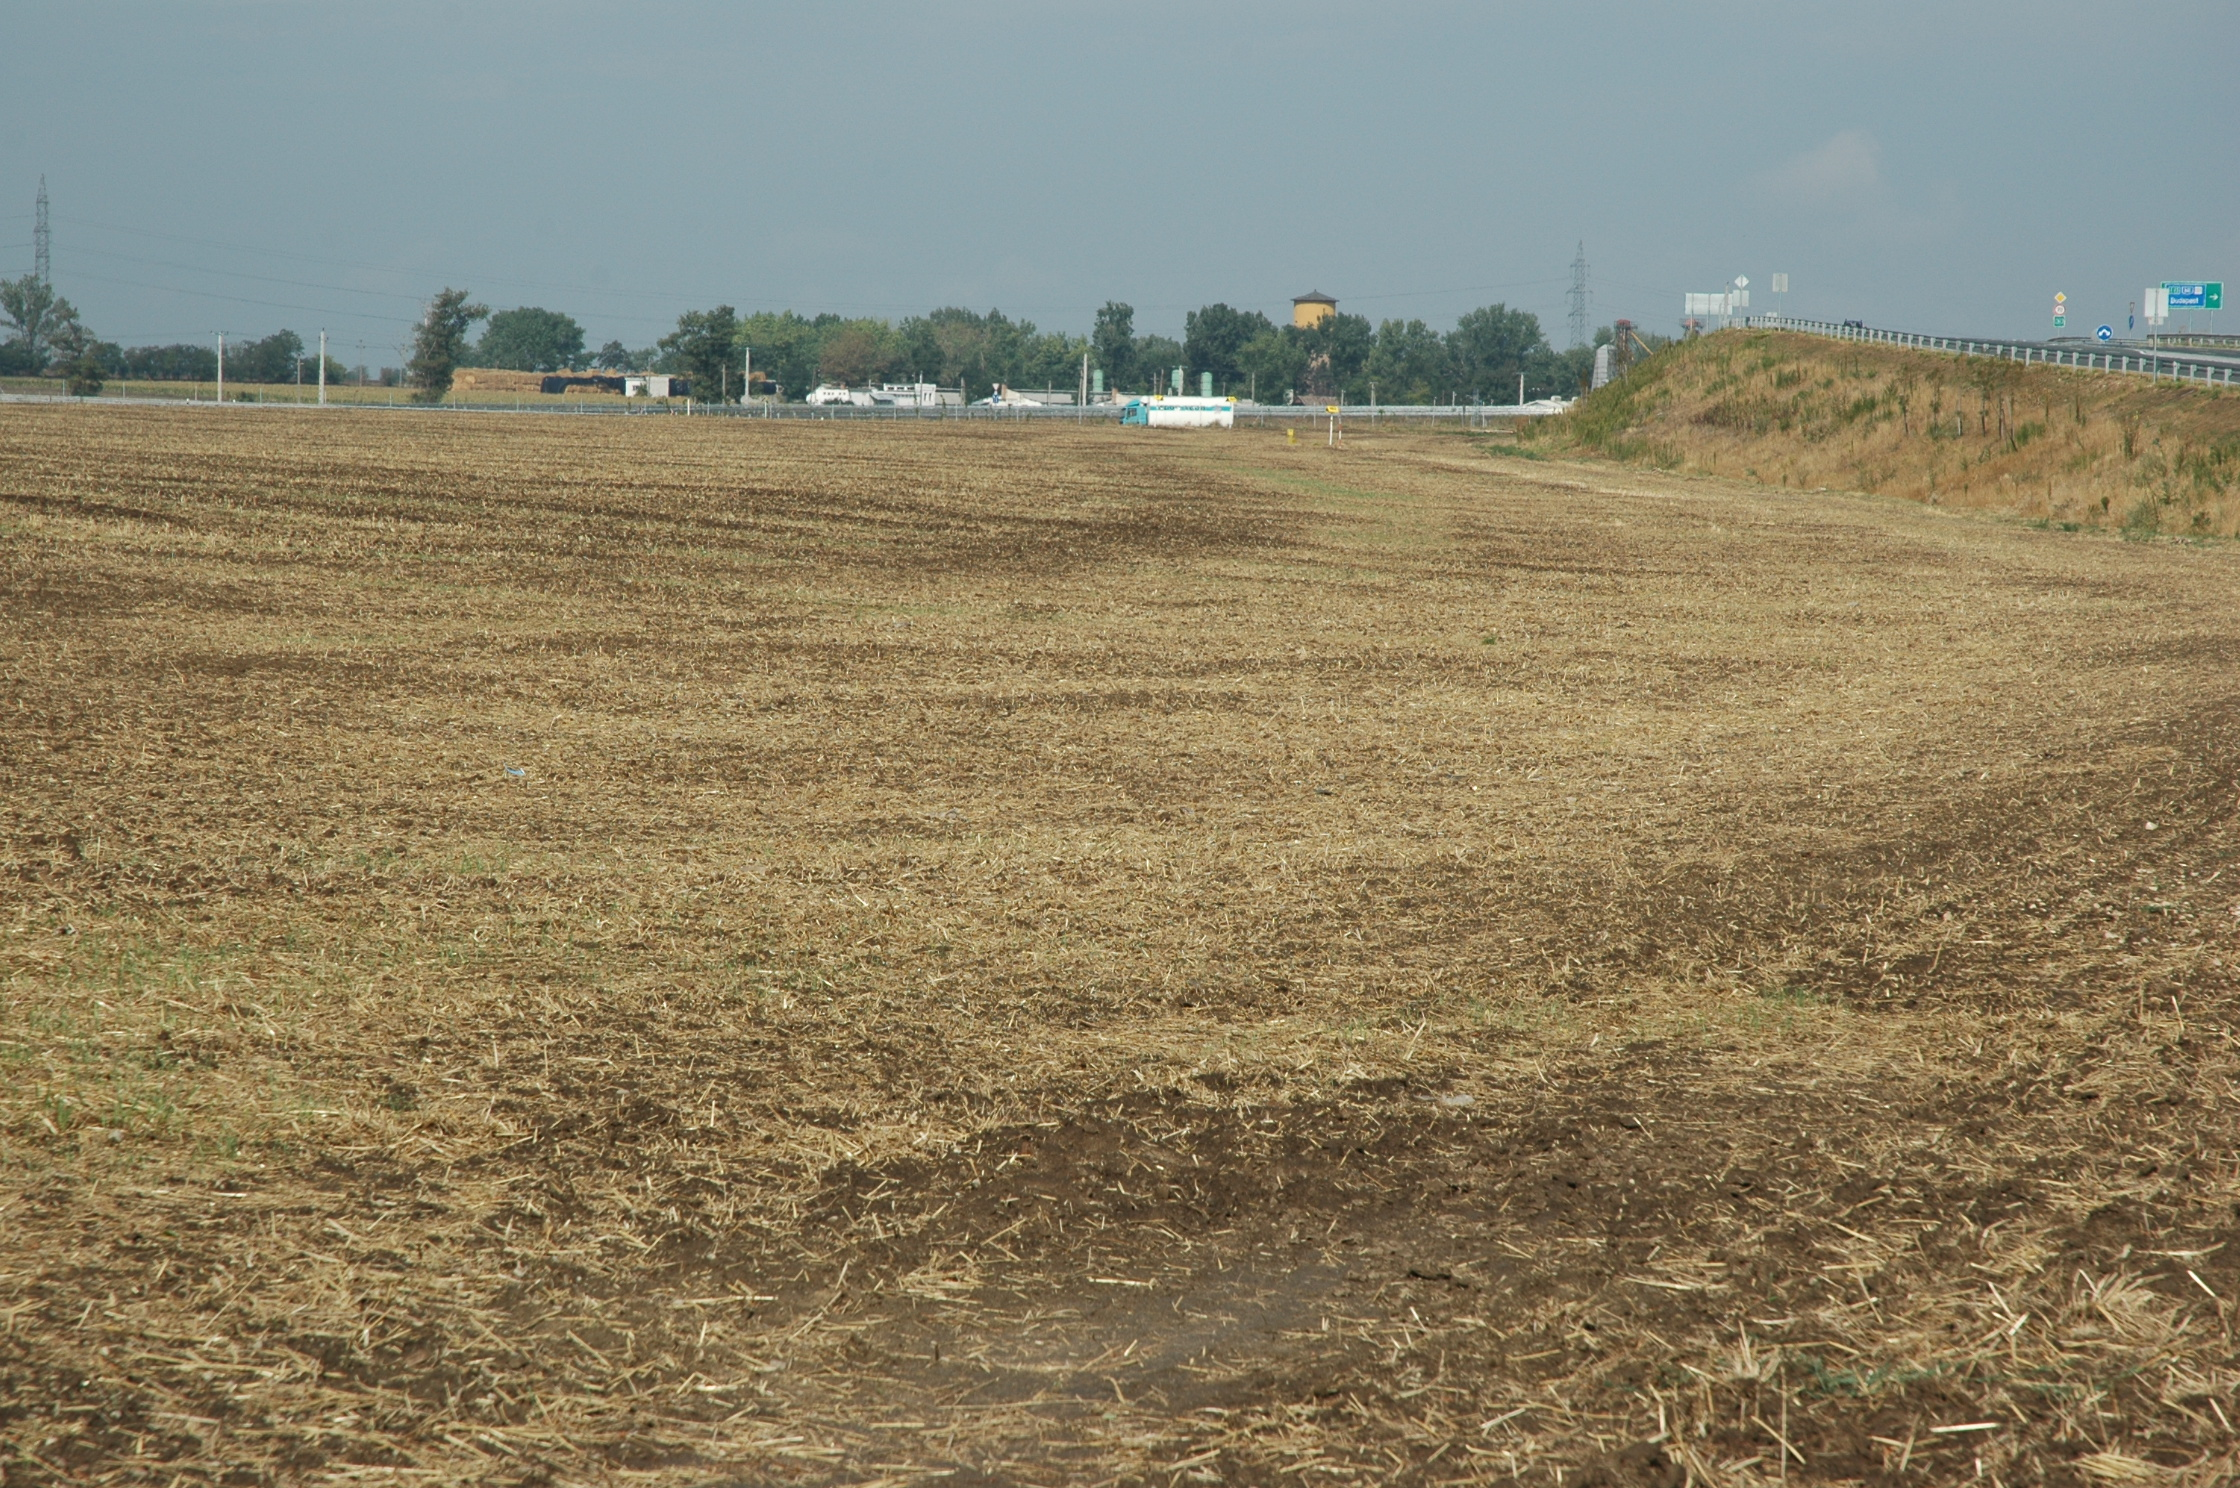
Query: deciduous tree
[(530, 339), (1345, 341), (701, 348), (1112, 345), (1410, 363), (179, 362), (1491, 345), (439, 342), (270, 358), (786, 347), (855, 352), (39, 320), (1214, 339), (1155, 359), (1273, 364), (82, 373)]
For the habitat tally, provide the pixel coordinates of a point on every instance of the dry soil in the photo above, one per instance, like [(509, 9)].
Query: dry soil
[(684, 951)]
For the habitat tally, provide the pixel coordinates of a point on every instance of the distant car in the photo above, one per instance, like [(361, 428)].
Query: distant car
[(1854, 325)]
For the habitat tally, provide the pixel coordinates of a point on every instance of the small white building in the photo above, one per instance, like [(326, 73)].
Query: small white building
[(652, 385)]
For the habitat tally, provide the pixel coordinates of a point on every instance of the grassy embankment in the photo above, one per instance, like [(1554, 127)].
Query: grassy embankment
[(2075, 448)]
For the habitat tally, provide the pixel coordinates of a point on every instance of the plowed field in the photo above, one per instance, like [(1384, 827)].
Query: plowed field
[(676, 951)]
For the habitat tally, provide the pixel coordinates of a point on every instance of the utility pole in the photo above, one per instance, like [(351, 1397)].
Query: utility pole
[(1578, 296), (322, 369), (41, 264), (221, 366)]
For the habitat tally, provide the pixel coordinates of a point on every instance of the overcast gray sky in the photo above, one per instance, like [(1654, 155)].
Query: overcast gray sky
[(1946, 166)]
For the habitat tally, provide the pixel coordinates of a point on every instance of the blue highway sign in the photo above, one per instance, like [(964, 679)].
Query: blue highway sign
[(2106, 333)]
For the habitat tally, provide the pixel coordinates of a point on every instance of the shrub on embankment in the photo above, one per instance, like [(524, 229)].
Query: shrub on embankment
[(2080, 448)]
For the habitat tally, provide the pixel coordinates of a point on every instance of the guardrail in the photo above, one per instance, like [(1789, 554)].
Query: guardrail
[(2149, 362), (2192, 340)]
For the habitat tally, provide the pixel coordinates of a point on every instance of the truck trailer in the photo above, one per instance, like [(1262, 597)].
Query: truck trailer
[(1162, 412)]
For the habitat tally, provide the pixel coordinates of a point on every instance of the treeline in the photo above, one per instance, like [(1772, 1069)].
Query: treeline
[(1491, 355), (47, 339), (953, 347), (274, 358), (1246, 353)]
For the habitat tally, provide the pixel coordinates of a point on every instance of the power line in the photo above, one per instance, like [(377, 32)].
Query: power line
[(164, 263), (205, 294), (609, 292), (346, 263), (602, 292), (1417, 294)]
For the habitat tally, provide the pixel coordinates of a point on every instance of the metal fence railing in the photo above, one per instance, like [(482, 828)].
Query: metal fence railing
[(2145, 361)]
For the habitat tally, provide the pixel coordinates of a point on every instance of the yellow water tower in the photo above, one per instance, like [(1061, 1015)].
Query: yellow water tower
[(1312, 309)]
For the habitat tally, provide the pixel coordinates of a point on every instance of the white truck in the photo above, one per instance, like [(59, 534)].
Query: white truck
[(1162, 412)]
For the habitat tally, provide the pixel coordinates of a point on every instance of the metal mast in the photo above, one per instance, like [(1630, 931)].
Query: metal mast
[(40, 267), (1578, 296)]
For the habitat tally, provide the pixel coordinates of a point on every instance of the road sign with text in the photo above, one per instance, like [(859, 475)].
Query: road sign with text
[(2197, 294)]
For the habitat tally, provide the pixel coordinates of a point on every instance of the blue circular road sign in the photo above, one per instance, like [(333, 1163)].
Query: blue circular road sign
[(2106, 333)]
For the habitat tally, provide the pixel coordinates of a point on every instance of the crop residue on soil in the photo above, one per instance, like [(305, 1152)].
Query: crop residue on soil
[(692, 951)]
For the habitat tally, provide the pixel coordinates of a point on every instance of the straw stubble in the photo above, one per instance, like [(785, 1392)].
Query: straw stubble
[(689, 951)]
